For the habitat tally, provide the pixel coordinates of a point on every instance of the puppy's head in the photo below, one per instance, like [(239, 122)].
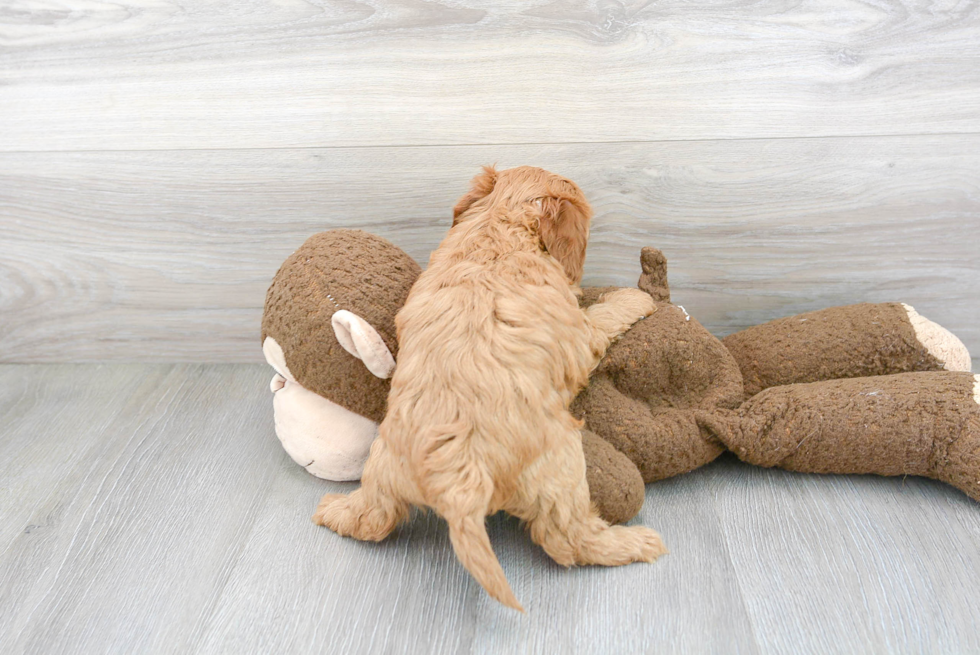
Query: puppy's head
[(561, 211)]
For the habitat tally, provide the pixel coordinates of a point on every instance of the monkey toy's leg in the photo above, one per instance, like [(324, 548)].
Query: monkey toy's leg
[(662, 444), (925, 424), (844, 342)]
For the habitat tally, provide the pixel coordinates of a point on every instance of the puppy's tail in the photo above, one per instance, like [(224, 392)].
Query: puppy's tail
[(459, 489), (468, 534)]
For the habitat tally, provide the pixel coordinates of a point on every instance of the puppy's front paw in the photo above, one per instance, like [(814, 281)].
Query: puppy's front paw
[(635, 304)]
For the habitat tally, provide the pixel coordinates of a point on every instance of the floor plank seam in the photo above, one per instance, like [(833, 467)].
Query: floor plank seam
[(502, 144), (715, 491), (208, 615)]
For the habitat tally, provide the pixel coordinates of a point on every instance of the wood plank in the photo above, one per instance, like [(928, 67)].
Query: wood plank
[(157, 74), (128, 549), (640, 608), (61, 430), (848, 564), (413, 597), (165, 256), (324, 593), (409, 595), (42, 408), (149, 509)]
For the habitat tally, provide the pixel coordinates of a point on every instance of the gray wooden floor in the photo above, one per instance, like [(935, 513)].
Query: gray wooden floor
[(150, 509)]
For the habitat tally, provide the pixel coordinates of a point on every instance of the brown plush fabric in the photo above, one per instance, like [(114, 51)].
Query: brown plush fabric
[(339, 269), (669, 395), (660, 444), (841, 342), (653, 280), (643, 395), (615, 485), (924, 424)]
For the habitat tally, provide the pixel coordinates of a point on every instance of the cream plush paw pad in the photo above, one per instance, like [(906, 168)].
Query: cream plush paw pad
[(939, 342)]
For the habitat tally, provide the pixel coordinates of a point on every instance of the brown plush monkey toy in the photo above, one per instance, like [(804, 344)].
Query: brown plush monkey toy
[(868, 388), (858, 389)]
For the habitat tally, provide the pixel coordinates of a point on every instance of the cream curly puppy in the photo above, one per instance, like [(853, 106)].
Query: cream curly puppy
[(492, 349)]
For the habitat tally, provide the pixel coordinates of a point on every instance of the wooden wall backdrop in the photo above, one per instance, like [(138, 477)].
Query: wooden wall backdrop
[(158, 160)]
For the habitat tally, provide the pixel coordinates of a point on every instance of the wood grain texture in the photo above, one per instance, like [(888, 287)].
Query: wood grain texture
[(160, 74), (642, 608), (147, 498), (883, 541), (149, 508), (165, 256)]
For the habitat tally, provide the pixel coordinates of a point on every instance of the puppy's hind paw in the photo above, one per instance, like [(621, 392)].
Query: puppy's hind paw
[(651, 545), (620, 545), (333, 513), (638, 544), (355, 516)]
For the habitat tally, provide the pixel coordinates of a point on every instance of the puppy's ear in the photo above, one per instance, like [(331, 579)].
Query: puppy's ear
[(480, 187), (564, 226)]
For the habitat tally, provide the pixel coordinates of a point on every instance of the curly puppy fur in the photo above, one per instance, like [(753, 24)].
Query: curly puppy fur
[(493, 348)]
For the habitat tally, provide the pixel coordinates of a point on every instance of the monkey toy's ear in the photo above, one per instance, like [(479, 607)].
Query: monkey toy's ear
[(653, 280), (360, 339)]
